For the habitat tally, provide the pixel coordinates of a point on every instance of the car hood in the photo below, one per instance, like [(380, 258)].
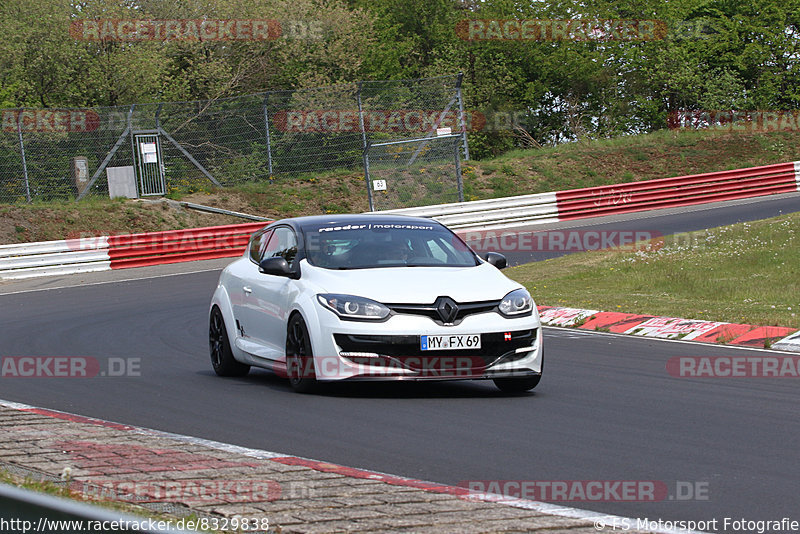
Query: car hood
[(414, 285)]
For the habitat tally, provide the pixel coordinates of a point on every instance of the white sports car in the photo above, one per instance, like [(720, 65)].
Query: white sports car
[(364, 297)]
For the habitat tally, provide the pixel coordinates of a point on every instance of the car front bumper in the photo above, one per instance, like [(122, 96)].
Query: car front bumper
[(391, 349)]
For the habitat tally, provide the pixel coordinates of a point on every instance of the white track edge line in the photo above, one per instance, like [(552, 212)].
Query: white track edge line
[(105, 282)]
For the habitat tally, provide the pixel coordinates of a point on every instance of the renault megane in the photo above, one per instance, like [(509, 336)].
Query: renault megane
[(372, 297)]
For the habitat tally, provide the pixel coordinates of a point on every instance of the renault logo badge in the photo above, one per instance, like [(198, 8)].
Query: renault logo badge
[(447, 308)]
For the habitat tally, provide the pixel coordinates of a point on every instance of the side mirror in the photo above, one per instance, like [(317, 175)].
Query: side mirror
[(277, 266), (498, 260)]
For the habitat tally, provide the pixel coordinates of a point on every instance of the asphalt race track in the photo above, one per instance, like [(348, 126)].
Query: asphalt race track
[(606, 409)]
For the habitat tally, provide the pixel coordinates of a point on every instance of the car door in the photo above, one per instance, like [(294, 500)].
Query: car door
[(240, 287), (268, 296)]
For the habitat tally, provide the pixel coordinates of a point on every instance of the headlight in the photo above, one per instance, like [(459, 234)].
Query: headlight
[(350, 307), (516, 303)]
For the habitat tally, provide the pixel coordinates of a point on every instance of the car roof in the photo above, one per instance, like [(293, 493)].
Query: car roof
[(315, 221)]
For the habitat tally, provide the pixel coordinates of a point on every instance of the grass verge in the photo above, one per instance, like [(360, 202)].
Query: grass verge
[(743, 273), (39, 221)]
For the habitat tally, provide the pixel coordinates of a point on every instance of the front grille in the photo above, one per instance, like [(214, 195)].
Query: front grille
[(405, 352), (432, 310)]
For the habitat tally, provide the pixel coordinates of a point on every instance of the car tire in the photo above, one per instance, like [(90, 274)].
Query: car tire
[(299, 356), (521, 384), (517, 385), (220, 348)]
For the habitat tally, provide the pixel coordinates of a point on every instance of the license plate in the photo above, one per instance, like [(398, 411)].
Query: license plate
[(452, 342)]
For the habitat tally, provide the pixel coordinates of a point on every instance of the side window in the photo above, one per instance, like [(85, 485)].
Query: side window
[(258, 245), (282, 243)]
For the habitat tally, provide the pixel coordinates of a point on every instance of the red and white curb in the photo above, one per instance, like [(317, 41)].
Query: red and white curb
[(541, 507), (743, 335)]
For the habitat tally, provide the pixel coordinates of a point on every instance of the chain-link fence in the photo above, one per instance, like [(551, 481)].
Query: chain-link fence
[(65, 153), (415, 172), (412, 153)]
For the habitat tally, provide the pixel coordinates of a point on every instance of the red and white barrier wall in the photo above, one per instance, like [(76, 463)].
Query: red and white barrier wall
[(614, 199), (140, 250), (103, 253), (82, 255), (680, 191)]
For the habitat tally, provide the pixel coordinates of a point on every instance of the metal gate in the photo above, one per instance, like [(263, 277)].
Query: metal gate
[(149, 166)]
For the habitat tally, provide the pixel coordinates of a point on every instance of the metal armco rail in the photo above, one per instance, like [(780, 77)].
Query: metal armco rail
[(140, 250), (102, 253), (27, 511), (681, 191), (91, 254), (615, 199)]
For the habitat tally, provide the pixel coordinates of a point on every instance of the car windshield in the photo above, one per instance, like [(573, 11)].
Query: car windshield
[(369, 245)]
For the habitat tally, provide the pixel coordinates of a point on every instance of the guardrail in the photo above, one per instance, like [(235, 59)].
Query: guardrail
[(49, 258), (24, 510), (138, 250), (680, 191), (174, 246), (103, 253), (615, 199), (493, 213)]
